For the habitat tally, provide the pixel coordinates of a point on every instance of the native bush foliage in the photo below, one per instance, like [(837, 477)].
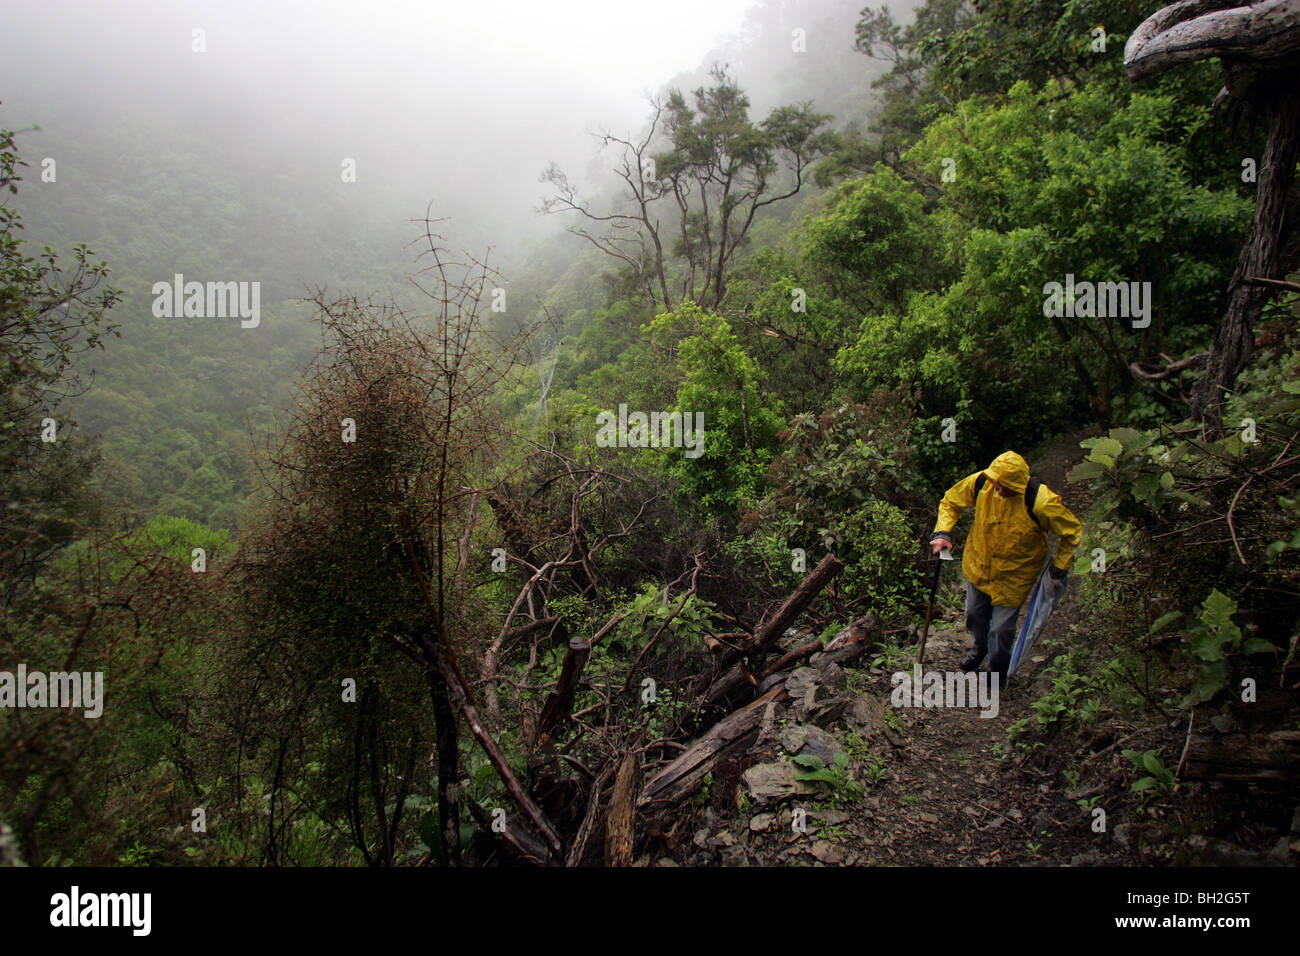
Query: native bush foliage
[(1206, 525), (842, 484), (717, 377)]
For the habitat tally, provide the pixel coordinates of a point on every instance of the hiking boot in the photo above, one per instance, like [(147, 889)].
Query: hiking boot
[(972, 660)]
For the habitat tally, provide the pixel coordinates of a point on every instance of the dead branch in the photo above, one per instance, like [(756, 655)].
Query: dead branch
[(620, 830), (1171, 367), (1280, 284), (559, 703), (685, 774), (790, 657), (591, 819)]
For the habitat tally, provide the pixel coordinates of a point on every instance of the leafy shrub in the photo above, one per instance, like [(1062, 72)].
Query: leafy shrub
[(1159, 777), (843, 483), (1213, 642), (837, 775), (1075, 697)]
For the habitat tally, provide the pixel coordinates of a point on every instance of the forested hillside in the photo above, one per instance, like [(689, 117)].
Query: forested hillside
[(612, 544)]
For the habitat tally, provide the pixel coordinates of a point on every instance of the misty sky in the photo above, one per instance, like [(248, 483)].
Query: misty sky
[(442, 100)]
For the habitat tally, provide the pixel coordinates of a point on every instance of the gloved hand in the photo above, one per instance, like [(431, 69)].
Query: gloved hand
[(1058, 574)]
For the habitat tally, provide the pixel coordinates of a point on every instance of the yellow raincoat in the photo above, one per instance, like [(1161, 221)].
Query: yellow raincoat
[(1006, 548)]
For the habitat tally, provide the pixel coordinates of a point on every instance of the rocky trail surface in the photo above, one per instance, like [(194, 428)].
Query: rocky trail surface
[(927, 786)]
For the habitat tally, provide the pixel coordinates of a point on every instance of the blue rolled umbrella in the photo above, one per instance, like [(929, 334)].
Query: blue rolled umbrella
[(1046, 595)]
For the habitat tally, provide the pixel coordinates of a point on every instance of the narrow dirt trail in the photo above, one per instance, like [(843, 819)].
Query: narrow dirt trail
[(958, 792), (930, 786), (943, 786)]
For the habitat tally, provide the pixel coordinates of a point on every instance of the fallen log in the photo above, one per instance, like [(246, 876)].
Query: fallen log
[(822, 575), (1273, 757), (841, 655), (521, 842), (852, 642), (863, 630), (728, 675), (685, 774), (733, 688), (790, 657), (620, 830), (848, 645), (718, 643)]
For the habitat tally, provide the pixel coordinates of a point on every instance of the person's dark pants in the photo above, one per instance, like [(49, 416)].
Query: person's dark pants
[(992, 627)]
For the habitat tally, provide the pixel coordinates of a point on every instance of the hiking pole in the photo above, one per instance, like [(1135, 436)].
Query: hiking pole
[(944, 555)]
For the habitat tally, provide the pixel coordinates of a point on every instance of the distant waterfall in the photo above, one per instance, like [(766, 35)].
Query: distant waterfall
[(552, 350)]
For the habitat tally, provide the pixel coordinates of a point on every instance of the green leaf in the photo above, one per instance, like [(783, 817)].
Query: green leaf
[(1161, 624), (1144, 488), (1106, 446), (808, 760), (1086, 471), (1208, 645), (1217, 611), (1210, 679), (1257, 645)]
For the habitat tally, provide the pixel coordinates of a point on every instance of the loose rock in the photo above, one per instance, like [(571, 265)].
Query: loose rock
[(827, 852), (775, 781)]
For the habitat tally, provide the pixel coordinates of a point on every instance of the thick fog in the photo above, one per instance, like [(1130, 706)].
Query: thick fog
[(460, 103), (284, 148)]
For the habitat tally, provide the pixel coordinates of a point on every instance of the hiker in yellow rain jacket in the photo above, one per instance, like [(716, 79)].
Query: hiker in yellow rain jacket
[(1005, 550)]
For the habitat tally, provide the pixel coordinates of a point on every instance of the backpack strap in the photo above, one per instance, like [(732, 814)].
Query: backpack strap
[(1031, 494), (1031, 497)]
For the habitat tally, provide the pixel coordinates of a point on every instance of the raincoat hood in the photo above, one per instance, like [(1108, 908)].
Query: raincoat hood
[(1009, 470)]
